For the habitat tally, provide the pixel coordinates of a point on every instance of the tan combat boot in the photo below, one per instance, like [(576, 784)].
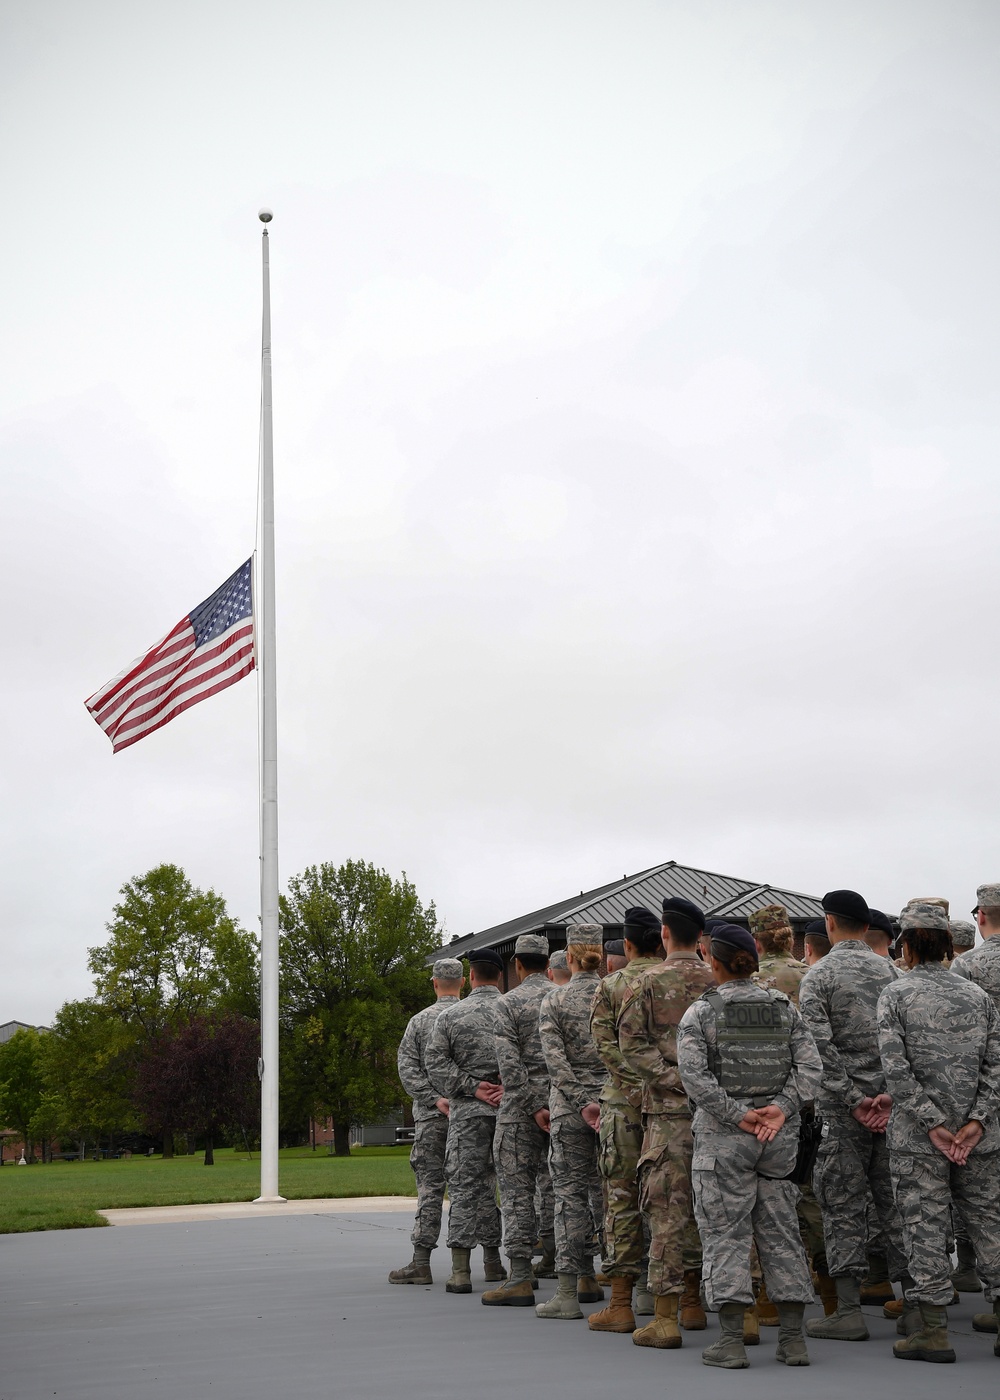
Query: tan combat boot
[(417, 1271), (643, 1303), (894, 1310), (588, 1290), (931, 1342), (767, 1313), (563, 1304), (460, 1279), (791, 1349), (518, 1292), (692, 1314), (847, 1324), (618, 1315), (751, 1329), (663, 1330), (965, 1279), (493, 1269), (987, 1322), (877, 1287), (728, 1352), (827, 1291)]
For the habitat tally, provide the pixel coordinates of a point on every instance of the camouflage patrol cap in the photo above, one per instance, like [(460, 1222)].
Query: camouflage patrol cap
[(584, 936), (921, 913), (558, 959), (929, 899), (963, 934), (987, 897), (448, 969), (771, 919), (534, 943)]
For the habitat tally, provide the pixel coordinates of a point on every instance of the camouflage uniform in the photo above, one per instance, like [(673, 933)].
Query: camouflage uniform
[(837, 999), (430, 1125), (647, 1035), (939, 1036), (982, 966), (521, 1147), (461, 1054), (620, 1145), (577, 1075), (739, 1187)]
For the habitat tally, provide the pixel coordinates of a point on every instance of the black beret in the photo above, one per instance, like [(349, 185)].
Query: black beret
[(486, 955), (684, 907), (876, 919), (816, 926), (640, 920), (736, 937), (614, 948), (847, 902), (711, 924)]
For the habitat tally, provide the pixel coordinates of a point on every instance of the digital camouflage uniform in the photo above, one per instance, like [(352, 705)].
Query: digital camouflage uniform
[(576, 1075), (430, 1125), (739, 1187), (461, 1054), (620, 1145), (647, 1037), (982, 966), (837, 998), (939, 1037), (521, 1147)]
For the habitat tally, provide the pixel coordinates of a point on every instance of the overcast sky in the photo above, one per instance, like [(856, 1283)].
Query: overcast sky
[(636, 438)]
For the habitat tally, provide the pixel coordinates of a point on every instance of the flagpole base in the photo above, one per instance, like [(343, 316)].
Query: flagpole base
[(269, 1200)]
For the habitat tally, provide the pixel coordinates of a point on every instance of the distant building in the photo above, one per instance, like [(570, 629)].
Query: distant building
[(720, 896), (9, 1028)]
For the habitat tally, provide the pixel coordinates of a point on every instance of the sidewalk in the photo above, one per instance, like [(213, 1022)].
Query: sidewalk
[(249, 1210)]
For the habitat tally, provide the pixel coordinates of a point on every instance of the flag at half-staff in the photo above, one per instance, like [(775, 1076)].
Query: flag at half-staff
[(212, 647)]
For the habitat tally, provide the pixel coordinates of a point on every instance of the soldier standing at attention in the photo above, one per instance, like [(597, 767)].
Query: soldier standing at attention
[(521, 1145), (939, 1037), (621, 1121), (647, 1036), (773, 934), (837, 999), (881, 935), (576, 1075), (430, 1122), (461, 1063), (748, 1064), (615, 957), (558, 971), (963, 936)]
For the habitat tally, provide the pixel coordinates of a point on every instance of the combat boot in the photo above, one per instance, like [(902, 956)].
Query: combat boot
[(895, 1309), (791, 1347), (767, 1312), (517, 1292), (847, 1324), (827, 1291), (987, 1322), (546, 1266), (564, 1303), (417, 1271), (965, 1279), (692, 1314), (663, 1330), (618, 1315), (909, 1320), (493, 1269), (751, 1329), (460, 1279), (728, 1351), (644, 1304), (931, 1342), (877, 1287), (588, 1290)]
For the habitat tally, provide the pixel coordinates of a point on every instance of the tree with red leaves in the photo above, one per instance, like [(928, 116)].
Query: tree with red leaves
[(200, 1076)]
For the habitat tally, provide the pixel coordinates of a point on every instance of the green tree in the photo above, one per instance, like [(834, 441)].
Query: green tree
[(174, 953), (21, 1083), (88, 1061), (354, 944)]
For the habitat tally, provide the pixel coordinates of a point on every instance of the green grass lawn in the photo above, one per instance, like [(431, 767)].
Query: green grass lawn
[(67, 1195)]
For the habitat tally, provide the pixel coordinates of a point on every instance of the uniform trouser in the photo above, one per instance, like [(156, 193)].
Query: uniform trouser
[(544, 1199), (740, 1197), (427, 1160), (850, 1162), (576, 1187), (811, 1227), (619, 1150), (519, 1150), (473, 1217), (666, 1201), (926, 1186)]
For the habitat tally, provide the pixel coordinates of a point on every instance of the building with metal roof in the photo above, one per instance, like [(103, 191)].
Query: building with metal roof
[(720, 896)]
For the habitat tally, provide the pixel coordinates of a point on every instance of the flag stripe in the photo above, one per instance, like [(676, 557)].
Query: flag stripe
[(186, 705), (210, 649)]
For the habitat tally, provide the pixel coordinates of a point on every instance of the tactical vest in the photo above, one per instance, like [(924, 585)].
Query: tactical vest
[(752, 1056)]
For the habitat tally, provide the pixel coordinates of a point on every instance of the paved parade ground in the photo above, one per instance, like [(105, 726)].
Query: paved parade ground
[(236, 1309)]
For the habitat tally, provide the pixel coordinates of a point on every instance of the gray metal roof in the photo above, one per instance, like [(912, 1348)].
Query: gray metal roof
[(723, 896)]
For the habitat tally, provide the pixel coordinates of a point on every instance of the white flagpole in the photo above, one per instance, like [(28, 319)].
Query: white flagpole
[(268, 773)]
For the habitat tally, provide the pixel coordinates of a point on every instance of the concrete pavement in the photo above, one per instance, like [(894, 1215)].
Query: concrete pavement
[(262, 1307)]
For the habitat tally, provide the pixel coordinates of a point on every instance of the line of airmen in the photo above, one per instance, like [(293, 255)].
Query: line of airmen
[(668, 1114)]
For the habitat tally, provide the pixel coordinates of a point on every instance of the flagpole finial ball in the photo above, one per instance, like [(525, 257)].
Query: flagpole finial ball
[(265, 216)]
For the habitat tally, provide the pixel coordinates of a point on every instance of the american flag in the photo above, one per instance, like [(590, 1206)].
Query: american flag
[(209, 649)]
